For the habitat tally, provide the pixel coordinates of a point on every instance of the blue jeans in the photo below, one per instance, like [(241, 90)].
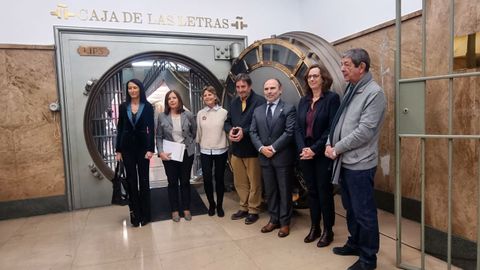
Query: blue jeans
[(362, 221)]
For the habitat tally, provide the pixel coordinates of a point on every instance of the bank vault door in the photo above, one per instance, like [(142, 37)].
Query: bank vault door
[(93, 67)]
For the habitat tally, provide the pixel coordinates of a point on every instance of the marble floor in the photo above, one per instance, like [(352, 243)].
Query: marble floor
[(101, 238)]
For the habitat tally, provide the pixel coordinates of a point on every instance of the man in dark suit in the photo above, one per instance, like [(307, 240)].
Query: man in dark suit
[(272, 131)]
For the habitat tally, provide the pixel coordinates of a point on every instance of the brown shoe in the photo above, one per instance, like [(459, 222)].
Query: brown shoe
[(284, 231), (325, 239), (269, 227)]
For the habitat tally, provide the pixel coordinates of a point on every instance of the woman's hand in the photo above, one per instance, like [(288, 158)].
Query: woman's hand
[(148, 155), (118, 156), (307, 153), (165, 156)]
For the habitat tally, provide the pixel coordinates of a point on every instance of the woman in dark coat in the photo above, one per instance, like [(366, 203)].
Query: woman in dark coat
[(314, 118), (135, 146)]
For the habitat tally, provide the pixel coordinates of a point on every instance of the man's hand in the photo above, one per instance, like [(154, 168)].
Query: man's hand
[(330, 152), (235, 134), (267, 151)]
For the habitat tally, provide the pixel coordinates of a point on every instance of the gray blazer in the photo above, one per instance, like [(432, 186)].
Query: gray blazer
[(356, 135), (165, 128), (280, 135)]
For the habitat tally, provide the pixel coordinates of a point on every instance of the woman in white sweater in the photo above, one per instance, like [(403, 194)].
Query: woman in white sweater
[(213, 148)]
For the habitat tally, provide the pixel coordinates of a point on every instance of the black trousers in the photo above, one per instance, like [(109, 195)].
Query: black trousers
[(137, 168), (317, 174), (178, 176), (218, 162)]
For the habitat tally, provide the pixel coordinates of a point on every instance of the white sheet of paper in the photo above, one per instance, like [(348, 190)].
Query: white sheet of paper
[(175, 149)]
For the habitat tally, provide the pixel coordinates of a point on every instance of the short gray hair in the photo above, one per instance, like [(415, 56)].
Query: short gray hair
[(358, 55)]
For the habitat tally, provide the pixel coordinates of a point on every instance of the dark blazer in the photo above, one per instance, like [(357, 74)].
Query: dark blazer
[(280, 134), (237, 118), (326, 108), (138, 136), (189, 130)]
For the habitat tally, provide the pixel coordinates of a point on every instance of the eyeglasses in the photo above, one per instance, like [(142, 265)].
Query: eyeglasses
[(313, 76)]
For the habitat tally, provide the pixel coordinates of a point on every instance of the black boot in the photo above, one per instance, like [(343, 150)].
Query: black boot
[(220, 211), (326, 238), (134, 220), (314, 233), (211, 209)]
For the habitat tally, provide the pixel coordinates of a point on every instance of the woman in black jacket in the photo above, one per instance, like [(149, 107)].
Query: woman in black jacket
[(135, 146), (314, 118)]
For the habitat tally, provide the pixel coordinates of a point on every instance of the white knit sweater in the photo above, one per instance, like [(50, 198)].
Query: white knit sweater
[(210, 133)]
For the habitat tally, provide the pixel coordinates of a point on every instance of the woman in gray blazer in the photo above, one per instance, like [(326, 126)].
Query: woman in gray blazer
[(177, 125)]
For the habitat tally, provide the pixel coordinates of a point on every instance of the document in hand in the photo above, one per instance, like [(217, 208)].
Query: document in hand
[(175, 149)]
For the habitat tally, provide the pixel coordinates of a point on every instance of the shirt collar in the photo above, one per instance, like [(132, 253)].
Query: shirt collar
[(215, 108), (275, 102)]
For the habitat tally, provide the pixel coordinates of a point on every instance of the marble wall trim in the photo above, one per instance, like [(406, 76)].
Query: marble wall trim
[(411, 208), (464, 252), (33, 207)]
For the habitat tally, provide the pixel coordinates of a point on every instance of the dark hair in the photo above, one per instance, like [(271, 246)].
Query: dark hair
[(243, 77), (358, 55), (275, 79), (326, 79), (143, 96), (212, 90), (166, 109)]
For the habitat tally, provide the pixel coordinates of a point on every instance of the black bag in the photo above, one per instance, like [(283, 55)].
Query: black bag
[(120, 185)]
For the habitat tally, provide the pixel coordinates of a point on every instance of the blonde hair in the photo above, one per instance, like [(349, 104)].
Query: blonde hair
[(212, 90)]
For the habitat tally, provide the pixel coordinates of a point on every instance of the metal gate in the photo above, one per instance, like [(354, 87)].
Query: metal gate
[(410, 123)]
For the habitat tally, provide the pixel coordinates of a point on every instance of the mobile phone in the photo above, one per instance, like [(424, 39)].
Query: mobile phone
[(235, 131)]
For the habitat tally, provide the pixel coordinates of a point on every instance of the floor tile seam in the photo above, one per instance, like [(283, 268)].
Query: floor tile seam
[(81, 237), (190, 248), (237, 243)]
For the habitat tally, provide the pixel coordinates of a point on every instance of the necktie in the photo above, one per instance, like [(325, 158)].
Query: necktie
[(269, 114), (244, 104)]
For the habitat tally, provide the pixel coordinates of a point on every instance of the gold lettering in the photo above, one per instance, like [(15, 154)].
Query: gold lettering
[(217, 24), (200, 21), (127, 17), (104, 18), (225, 23), (137, 17), (83, 15), (208, 23), (190, 21), (113, 17), (181, 22), (94, 16), (161, 20), (170, 20), (93, 51), (149, 16)]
